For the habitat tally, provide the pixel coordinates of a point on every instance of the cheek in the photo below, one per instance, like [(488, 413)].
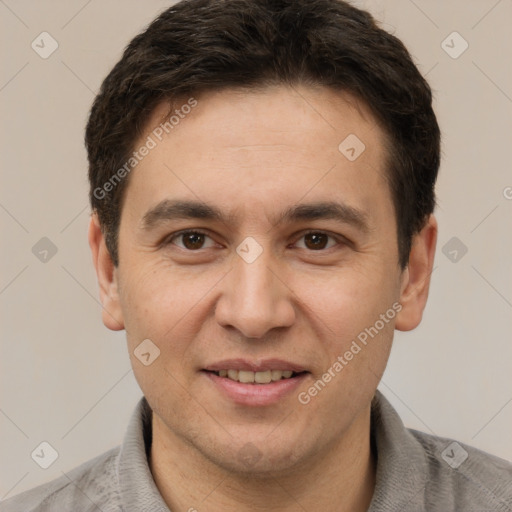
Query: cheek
[(161, 303), (158, 306), (355, 339), (347, 302), (347, 312)]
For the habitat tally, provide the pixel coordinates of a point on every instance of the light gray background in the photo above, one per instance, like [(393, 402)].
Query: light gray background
[(66, 379)]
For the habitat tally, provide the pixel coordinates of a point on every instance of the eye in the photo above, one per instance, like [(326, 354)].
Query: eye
[(317, 240), (194, 240), (191, 240)]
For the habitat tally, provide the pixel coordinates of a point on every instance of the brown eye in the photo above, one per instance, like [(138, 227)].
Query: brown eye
[(317, 240), (193, 240), (190, 240)]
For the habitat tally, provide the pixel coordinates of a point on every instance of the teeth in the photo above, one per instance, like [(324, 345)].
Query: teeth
[(276, 374), (248, 377), (263, 377)]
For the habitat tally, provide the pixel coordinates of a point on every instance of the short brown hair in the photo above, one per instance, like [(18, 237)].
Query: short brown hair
[(204, 45)]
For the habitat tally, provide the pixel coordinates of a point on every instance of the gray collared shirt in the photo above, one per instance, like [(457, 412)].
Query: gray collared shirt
[(415, 472)]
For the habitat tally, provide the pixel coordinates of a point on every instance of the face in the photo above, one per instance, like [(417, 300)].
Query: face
[(249, 242)]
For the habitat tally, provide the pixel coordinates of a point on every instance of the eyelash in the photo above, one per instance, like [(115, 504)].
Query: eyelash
[(340, 240)]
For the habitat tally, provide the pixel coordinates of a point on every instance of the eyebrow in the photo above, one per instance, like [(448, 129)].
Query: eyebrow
[(168, 209)]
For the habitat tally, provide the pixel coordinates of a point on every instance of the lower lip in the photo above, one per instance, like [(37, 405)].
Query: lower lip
[(256, 394)]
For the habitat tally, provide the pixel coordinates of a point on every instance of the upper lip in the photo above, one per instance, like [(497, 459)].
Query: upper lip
[(260, 365)]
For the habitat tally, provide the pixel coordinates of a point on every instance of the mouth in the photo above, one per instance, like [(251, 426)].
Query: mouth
[(259, 383), (261, 377)]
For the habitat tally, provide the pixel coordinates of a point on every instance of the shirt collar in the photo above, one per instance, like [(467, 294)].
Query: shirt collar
[(136, 485), (401, 463)]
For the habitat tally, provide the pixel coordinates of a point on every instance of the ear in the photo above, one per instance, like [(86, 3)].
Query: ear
[(416, 277), (107, 277)]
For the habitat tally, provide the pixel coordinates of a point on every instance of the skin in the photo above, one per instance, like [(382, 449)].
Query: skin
[(253, 154)]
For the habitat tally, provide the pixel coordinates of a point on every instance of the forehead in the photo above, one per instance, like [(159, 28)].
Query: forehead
[(267, 148)]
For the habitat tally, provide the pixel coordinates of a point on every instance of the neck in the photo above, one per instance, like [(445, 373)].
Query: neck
[(339, 478)]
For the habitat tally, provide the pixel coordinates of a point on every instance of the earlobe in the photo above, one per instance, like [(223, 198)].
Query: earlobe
[(416, 277), (106, 274)]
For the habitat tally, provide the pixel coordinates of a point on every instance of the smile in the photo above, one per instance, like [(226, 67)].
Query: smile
[(249, 388), (261, 377)]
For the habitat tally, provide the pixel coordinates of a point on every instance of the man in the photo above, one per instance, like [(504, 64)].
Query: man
[(262, 183)]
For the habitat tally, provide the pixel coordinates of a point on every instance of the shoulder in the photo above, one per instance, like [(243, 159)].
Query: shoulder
[(91, 486), (422, 472), (471, 479)]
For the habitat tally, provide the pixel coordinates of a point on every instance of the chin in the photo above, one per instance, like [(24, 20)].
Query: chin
[(257, 460)]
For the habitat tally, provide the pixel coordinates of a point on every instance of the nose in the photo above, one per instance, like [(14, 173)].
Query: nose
[(255, 298)]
